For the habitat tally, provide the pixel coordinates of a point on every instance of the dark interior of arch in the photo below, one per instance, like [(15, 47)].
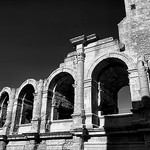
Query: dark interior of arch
[(25, 104), (110, 75), (3, 106), (63, 96)]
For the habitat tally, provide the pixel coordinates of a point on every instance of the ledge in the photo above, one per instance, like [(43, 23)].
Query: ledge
[(16, 137), (84, 39), (78, 40), (62, 120), (53, 135)]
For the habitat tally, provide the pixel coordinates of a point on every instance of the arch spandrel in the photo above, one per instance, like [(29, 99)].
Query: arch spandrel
[(28, 81), (122, 56), (72, 72)]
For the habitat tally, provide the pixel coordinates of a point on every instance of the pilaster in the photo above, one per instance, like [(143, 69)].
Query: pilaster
[(134, 85), (46, 111), (14, 123), (36, 118), (90, 112), (142, 72), (7, 124)]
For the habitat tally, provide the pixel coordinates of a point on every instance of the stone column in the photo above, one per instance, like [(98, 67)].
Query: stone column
[(36, 118), (79, 113), (7, 124), (142, 72), (80, 81)]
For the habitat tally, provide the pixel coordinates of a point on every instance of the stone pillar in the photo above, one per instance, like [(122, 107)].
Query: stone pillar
[(142, 72), (43, 112), (99, 99), (134, 85), (53, 114), (88, 103), (36, 118), (80, 81), (91, 111), (46, 109), (79, 113), (7, 124), (14, 122)]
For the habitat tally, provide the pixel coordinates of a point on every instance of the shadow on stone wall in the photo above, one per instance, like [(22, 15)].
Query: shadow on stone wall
[(129, 131)]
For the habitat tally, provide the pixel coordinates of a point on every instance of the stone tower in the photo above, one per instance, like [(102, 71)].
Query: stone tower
[(134, 33), (134, 29)]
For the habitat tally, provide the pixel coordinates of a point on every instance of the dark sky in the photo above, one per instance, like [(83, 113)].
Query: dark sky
[(34, 35)]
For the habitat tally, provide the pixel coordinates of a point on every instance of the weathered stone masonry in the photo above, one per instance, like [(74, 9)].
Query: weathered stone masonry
[(77, 106)]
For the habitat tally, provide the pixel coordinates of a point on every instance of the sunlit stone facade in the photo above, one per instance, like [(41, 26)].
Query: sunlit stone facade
[(76, 107)]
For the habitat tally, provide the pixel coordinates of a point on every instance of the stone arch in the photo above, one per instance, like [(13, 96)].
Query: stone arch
[(24, 103), (124, 57), (4, 99), (6, 89), (109, 73), (72, 72), (60, 78), (28, 81)]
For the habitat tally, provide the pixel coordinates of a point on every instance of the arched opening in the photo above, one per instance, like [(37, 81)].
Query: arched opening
[(109, 76), (63, 96), (3, 108), (124, 100), (25, 105)]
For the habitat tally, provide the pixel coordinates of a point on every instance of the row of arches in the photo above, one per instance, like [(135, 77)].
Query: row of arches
[(60, 89), (110, 76)]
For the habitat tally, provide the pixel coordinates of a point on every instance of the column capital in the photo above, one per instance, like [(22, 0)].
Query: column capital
[(80, 56)]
